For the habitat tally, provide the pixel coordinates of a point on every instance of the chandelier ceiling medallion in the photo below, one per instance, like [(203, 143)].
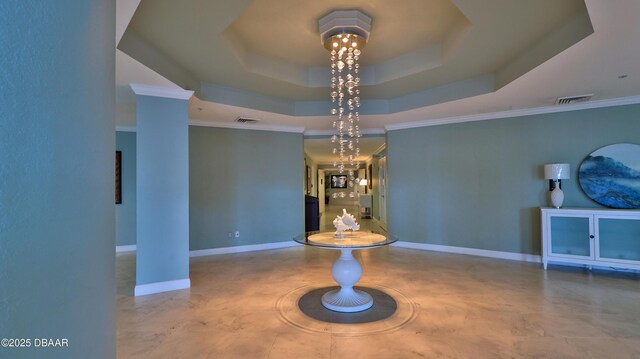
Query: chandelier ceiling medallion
[(344, 34)]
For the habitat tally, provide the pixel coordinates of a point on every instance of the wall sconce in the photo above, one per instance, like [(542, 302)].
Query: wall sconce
[(556, 172)]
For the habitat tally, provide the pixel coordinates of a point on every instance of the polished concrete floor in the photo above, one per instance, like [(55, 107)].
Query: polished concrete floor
[(463, 307)]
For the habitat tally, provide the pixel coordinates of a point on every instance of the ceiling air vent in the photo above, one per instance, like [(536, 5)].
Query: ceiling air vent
[(573, 99), (246, 120)]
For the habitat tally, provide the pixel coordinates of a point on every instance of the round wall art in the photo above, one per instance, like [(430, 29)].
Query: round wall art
[(611, 175)]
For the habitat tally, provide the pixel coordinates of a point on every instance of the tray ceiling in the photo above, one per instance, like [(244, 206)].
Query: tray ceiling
[(266, 54)]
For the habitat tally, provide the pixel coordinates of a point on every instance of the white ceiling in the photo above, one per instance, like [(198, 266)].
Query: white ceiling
[(592, 65), (266, 27)]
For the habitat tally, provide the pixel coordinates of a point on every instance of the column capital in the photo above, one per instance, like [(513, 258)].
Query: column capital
[(161, 91)]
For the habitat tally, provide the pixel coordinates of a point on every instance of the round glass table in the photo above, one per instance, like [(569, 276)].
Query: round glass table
[(346, 269)]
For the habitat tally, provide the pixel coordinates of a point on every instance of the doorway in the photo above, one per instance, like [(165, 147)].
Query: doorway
[(319, 157), (321, 191), (383, 190)]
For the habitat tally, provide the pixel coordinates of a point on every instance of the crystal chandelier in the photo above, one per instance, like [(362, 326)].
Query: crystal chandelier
[(344, 33)]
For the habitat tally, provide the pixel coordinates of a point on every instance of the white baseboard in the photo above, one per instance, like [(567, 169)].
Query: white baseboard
[(240, 249), (223, 250), (602, 268), (130, 248), (470, 251), (379, 223), (402, 244), (159, 287)]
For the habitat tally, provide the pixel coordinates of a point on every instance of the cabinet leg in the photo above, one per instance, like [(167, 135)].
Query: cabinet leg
[(544, 265)]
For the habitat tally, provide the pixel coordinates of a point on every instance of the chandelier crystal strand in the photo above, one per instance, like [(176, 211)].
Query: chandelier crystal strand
[(345, 96)]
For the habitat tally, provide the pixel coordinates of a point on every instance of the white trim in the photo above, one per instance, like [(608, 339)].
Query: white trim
[(129, 248), (240, 249), (319, 132), (238, 126), (589, 211), (603, 267), (631, 100), (244, 126), (370, 131), (161, 91), (379, 223), (126, 128), (380, 149), (159, 287), (373, 131), (470, 251)]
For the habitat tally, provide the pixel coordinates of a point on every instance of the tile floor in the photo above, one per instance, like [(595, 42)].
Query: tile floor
[(466, 307)]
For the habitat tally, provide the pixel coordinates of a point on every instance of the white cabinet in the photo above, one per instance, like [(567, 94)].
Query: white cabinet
[(592, 237)]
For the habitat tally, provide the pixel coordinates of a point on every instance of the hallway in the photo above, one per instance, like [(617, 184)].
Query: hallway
[(331, 211)]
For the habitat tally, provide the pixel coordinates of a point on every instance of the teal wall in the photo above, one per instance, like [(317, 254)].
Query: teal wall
[(162, 189), (480, 184), (57, 108), (247, 181), (216, 181), (126, 211)]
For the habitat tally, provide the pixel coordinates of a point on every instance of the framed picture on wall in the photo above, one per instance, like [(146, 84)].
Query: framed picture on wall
[(370, 171), (611, 176), (338, 181), (118, 177)]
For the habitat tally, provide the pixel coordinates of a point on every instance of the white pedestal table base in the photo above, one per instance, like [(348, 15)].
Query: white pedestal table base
[(347, 272)]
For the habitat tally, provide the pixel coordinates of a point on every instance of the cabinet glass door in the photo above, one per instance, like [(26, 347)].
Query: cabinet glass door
[(619, 239), (570, 236)]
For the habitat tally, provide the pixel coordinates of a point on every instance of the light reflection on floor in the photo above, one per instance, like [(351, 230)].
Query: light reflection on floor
[(467, 307)]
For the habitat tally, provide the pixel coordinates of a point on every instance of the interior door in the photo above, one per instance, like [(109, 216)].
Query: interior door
[(383, 189), (320, 187)]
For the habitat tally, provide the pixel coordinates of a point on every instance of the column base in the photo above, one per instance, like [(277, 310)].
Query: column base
[(159, 287)]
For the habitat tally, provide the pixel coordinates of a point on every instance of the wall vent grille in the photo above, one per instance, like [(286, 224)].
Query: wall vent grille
[(573, 99), (246, 120)]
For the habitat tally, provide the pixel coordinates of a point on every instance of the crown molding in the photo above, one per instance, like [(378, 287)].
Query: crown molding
[(371, 131), (125, 128), (380, 149), (240, 126), (236, 126), (631, 100), (126, 248), (319, 132), (161, 91)]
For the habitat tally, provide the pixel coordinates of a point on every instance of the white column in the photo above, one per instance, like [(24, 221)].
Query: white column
[(162, 186)]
